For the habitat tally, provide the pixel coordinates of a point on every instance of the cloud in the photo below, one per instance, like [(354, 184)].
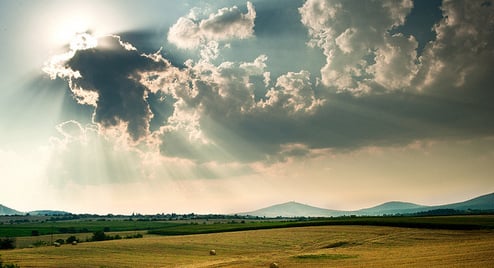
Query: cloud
[(225, 24), (374, 90), (294, 93), (106, 75), (355, 38), (462, 51)]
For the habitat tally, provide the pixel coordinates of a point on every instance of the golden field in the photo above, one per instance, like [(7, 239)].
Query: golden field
[(324, 246)]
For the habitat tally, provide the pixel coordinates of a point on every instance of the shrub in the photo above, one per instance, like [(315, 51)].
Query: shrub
[(7, 243), (71, 239), (137, 235), (39, 243), (60, 241), (99, 236)]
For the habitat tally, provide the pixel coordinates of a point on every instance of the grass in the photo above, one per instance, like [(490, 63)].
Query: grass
[(364, 246), (448, 223), (326, 256), (343, 242), (83, 226), (184, 228), (337, 244)]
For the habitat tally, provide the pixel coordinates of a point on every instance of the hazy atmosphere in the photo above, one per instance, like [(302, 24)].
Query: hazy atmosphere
[(228, 106)]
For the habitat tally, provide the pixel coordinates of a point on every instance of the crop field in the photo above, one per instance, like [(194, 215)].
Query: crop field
[(200, 226), (315, 246)]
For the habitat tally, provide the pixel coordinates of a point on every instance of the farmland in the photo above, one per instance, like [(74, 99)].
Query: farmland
[(341, 246), (342, 242)]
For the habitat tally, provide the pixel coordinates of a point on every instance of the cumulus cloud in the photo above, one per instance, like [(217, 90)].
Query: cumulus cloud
[(225, 24), (395, 62), (294, 93), (107, 76), (355, 38), (463, 49), (230, 111)]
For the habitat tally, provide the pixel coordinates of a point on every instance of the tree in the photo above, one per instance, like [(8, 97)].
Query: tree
[(7, 243), (99, 236), (71, 239)]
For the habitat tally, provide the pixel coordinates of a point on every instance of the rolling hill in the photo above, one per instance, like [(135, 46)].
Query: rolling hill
[(393, 207), (8, 211), (484, 202), (294, 209), (48, 213)]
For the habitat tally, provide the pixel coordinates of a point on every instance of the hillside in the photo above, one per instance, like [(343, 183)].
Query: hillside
[(484, 202), (393, 207), (8, 211), (294, 209), (47, 213)]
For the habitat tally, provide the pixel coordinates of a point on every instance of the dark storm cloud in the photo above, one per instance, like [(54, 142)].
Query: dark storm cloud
[(113, 72)]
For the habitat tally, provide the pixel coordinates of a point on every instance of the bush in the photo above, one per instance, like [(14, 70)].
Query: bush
[(99, 236), (60, 241), (71, 239), (138, 235), (39, 243), (7, 243)]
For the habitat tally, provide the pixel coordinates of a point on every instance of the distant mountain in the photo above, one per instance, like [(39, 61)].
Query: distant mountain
[(484, 202), (48, 213), (390, 208), (8, 211), (293, 209)]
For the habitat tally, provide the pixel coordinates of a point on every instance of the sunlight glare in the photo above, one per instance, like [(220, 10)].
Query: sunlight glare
[(70, 28), (83, 41)]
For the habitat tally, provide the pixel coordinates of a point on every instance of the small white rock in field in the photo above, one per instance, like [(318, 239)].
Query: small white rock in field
[(274, 265), (212, 252)]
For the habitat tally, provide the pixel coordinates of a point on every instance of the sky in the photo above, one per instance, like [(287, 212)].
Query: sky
[(230, 106)]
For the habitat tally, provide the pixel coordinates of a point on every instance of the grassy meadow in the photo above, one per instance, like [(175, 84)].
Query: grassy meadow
[(317, 246)]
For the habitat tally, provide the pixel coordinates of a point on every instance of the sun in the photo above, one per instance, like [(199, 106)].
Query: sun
[(70, 28)]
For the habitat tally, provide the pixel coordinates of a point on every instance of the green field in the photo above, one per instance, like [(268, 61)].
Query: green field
[(65, 227), (200, 226)]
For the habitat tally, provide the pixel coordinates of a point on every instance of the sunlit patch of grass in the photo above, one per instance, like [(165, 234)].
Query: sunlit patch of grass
[(326, 256)]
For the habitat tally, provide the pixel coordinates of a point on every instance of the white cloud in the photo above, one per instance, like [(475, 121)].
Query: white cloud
[(395, 65), (462, 51), (225, 24), (351, 33), (185, 33), (294, 93)]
